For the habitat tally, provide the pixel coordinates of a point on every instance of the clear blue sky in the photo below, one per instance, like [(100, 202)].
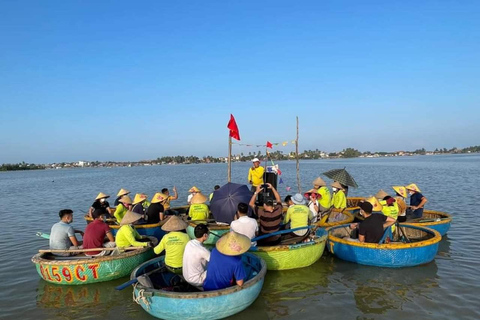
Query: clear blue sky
[(130, 80)]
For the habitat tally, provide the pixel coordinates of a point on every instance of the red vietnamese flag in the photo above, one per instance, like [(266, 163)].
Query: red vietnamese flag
[(269, 145), (232, 125)]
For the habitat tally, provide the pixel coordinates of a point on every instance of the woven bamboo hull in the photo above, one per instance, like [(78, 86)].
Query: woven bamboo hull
[(347, 219), (301, 255), (216, 231), (441, 226), (393, 255), (206, 305), (89, 270)]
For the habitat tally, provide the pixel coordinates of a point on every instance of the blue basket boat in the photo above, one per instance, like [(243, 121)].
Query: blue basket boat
[(203, 305), (422, 248), (436, 220)]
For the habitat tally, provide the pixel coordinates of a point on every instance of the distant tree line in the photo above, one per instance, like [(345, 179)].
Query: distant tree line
[(20, 166)]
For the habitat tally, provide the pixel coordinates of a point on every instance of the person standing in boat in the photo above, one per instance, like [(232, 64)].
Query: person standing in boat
[(198, 210), (243, 224), (372, 228), (124, 204), (127, 236), (95, 234), (62, 234), (100, 202), (339, 200), (298, 216), (193, 191), (196, 257), (255, 174), (417, 202), (156, 211), (270, 216), (400, 196), (120, 194), (324, 196), (174, 243), (389, 205), (166, 202), (225, 268)]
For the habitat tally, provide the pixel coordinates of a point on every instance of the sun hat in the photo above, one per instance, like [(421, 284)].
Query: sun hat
[(309, 192), (125, 199), (233, 244), (194, 189), (158, 197), (374, 202), (401, 190), (337, 185), (381, 194), (255, 160), (130, 217), (198, 198), (102, 195), (174, 223), (413, 187), (139, 197), (319, 182), (298, 199), (122, 192)]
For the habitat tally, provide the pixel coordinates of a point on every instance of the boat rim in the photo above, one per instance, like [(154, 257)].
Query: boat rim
[(289, 247)]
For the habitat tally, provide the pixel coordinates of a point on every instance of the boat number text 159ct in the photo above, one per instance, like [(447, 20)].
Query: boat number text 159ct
[(69, 273)]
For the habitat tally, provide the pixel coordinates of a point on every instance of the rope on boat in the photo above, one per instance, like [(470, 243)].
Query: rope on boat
[(140, 297)]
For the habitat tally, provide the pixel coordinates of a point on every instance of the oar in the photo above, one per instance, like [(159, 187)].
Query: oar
[(280, 232), (403, 232), (133, 281), (43, 235), (89, 250)]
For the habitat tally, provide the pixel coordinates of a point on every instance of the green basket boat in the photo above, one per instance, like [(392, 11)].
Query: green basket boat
[(84, 270)]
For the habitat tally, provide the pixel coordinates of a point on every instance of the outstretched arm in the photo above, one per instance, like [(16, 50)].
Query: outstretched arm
[(175, 194), (254, 196), (275, 193)]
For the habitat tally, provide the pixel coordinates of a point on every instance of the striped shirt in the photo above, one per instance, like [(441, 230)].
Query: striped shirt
[(270, 221)]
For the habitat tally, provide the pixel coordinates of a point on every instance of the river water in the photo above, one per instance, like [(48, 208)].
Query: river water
[(447, 288)]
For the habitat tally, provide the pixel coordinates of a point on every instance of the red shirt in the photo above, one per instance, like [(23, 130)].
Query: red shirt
[(94, 236)]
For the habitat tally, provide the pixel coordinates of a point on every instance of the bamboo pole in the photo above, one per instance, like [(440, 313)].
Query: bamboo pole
[(298, 164), (88, 250), (229, 169)]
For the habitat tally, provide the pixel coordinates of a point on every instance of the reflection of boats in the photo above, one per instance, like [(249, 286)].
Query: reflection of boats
[(293, 256), (422, 249), (216, 231), (347, 218), (215, 304), (84, 270)]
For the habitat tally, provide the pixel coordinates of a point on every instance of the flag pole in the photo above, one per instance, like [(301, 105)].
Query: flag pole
[(298, 164), (229, 170)]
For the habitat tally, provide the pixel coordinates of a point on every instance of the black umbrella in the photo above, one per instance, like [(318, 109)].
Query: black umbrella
[(226, 199), (342, 176)]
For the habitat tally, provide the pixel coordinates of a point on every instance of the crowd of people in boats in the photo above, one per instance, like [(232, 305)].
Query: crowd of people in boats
[(222, 267)]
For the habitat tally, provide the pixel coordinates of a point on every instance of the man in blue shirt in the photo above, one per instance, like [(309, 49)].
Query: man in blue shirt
[(225, 268), (62, 235), (417, 202)]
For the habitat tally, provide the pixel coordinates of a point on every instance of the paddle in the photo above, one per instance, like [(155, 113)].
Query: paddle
[(88, 250), (43, 235), (280, 232), (133, 281)]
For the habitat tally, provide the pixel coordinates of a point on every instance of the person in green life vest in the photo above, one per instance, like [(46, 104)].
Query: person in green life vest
[(389, 206), (339, 200), (127, 236), (174, 243), (298, 215), (325, 197), (145, 203), (211, 194), (198, 210), (124, 204)]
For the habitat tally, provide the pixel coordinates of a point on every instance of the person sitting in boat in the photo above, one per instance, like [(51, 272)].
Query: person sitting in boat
[(288, 201), (400, 196), (269, 215), (127, 236), (198, 210), (225, 268), (298, 216), (417, 202), (193, 191), (312, 203), (166, 202), (389, 205), (120, 194), (156, 211), (124, 204), (372, 228), (62, 234), (196, 257), (145, 203), (95, 234), (100, 202), (243, 224), (211, 194), (324, 196), (255, 174), (138, 203), (173, 243), (339, 200)]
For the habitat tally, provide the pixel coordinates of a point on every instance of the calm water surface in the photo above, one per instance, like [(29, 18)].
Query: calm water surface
[(447, 288)]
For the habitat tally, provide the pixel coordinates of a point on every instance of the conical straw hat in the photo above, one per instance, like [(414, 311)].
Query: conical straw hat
[(374, 202), (122, 192), (158, 197), (125, 199), (139, 198), (130, 217), (381, 194), (198, 198), (319, 182), (413, 186), (401, 190), (174, 223), (233, 244), (337, 185), (102, 195), (194, 189)]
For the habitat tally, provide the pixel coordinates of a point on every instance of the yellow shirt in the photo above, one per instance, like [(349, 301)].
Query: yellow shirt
[(198, 211), (120, 212), (256, 176), (326, 197), (339, 200), (174, 245), (127, 236), (166, 203), (298, 216), (390, 211)]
